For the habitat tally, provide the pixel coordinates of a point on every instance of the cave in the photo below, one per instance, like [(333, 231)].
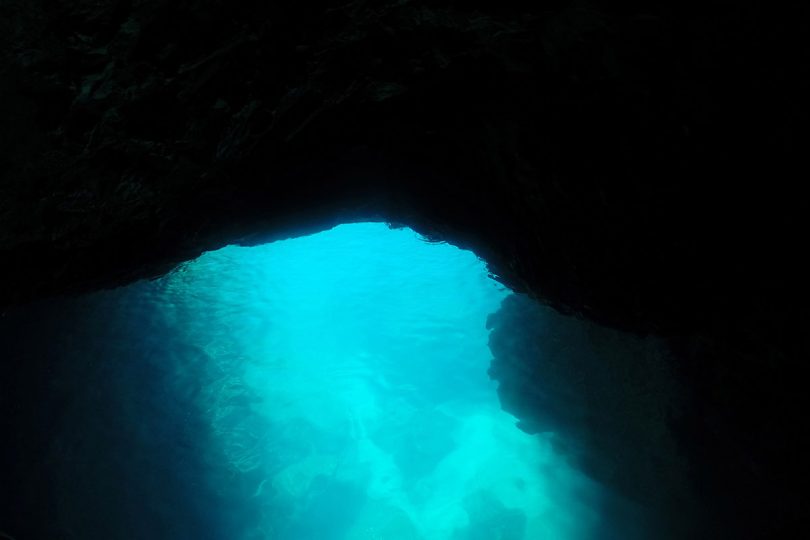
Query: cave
[(631, 172), (340, 386)]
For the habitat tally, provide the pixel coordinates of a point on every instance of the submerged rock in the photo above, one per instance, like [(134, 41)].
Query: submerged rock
[(381, 521), (331, 508), (490, 519), (605, 397), (418, 440)]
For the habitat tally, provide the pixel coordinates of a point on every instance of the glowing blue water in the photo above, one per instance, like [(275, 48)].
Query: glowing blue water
[(331, 387)]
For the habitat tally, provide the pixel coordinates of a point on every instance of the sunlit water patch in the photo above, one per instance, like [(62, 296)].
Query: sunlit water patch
[(330, 387)]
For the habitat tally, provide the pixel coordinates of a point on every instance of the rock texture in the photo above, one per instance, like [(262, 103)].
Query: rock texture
[(635, 163), (609, 398)]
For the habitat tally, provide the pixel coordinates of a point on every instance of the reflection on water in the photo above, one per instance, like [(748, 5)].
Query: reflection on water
[(327, 387)]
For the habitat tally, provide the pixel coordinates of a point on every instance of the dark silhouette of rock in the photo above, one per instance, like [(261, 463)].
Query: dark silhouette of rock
[(608, 397)]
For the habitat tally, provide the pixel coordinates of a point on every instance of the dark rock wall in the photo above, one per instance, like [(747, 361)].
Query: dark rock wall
[(640, 164), (608, 396), (702, 453)]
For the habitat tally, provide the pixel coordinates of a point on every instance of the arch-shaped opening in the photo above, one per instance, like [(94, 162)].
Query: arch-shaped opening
[(336, 386)]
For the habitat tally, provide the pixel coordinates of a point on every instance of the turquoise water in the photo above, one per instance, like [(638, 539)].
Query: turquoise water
[(329, 387)]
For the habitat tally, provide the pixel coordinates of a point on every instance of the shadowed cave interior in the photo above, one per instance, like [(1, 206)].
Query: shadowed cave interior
[(631, 171)]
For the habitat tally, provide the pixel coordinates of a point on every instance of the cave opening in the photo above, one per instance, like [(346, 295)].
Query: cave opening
[(336, 386)]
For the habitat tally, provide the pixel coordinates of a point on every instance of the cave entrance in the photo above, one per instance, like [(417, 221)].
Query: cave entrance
[(350, 398), (329, 387)]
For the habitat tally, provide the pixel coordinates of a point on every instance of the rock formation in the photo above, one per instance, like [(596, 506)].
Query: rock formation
[(636, 164)]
